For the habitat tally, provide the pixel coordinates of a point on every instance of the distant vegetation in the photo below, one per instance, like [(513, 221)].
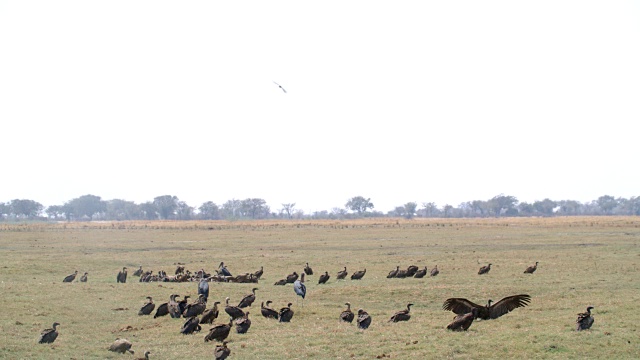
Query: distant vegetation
[(169, 207)]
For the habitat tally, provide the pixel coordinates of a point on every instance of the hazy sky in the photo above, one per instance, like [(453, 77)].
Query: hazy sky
[(442, 102)]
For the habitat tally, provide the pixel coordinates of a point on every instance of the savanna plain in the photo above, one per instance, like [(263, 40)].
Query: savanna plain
[(582, 261)]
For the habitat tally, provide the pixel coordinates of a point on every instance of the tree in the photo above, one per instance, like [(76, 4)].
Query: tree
[(166, 205), (209, 211), (184, 211), (5, 209), (607, 203), (25, 208), (545, 207), (288, 209), (55, 211), (501, 203), (410, 209), (359, 204), (255, 208), (232, 209), (87, 205), (148, 211), (118, 209), (430, 209)]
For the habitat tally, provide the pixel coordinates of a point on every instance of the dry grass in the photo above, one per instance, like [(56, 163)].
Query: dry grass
[(583, 261)]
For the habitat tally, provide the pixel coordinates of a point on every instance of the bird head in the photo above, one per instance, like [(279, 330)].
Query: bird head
[(589, 308), (489, 302)]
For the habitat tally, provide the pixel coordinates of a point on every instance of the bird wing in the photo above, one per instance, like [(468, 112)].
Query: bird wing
[(508, 304), (459, 306)]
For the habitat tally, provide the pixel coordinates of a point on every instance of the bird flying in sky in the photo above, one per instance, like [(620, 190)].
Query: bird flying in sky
[(280, 86)]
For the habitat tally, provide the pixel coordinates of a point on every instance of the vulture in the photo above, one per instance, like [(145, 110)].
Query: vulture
[(83, 278), (122, 276), (248, 299), (420, 273), (531, 269), (179, 270), (70, 278), (258, 274), (233, 311), (146, 355), (121, 346), (196, 308), (463, 322), (267, 311), (435, 271), (342, 274), (138, 273), (401, 274), (402, 315), (584, 320), (358, 274), (211, 314), (291, 278), (393, 272), (48, 336), (222, 351), (324, 278), (147, 308), (174, 307), (190, 326), (162, 310), (462, 306), (203, 288), (219, 332), (243, 324), (281, 282), (411, 270), (300, 288), (347, 315), (286, 313), (484, 269), (182, 304), (223, 270), (364, 320), (308, 270)]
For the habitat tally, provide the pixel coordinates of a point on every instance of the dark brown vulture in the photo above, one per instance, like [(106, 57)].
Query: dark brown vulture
[(196, 308), (462, 306), (393, 272), (248, 299), (585, 320), (48, 336), (210, 314), (146, 355), (342, 274), (190, 326), (121, 346), (291, 278), (162, 310), (174, 307), (324, 278), (435, 271), (138, 272), (182, 304), (259, 273), (308, 270), (147, 308), (70, 278), (233, 311), (411, 270), (364, 320), (402, 315), (420, 273), (281, 282), (463, 322), (347, 315), (222, 351), (243, 324), (267, 311), (122, 276), (401, 274), (484, 269), (83, 278), (358, 274), (286, 313), (531, 269), (219, 332)]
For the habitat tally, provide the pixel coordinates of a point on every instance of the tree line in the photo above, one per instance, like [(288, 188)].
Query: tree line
[(169, 207)]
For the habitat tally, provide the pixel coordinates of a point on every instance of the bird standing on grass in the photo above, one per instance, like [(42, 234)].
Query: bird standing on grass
[(70, 278), (222, 351), (364, 320), (48, 336), (122, 276), (300, 288), (484, 270), (462, 306), (531, 269), (83, 278), (585, 320), (463, 322), (203, 288), (147, 308), (267, 311), (402, 315), (324, 278), (347, 315)]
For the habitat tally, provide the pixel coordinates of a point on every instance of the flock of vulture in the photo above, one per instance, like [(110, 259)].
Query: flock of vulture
[(196, 313)]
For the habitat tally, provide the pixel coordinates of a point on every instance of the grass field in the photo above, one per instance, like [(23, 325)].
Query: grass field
[(583, 261)]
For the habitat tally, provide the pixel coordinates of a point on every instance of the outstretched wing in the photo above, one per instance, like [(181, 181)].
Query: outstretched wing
[(508, 304), (460, 306)]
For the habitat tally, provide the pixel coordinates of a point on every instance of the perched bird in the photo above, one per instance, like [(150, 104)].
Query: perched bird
[(411, 270), (531, 269), (300, 288), (347, 315), (286, 313), (122, 276), (402, 315), (146, 355), (258, 273), (182, 304), (281, 282), (435, 271), (203, 288), (247, 300), (48, 336), (223, 269), (308, 270), (280, 86), (267, 311), (190, 326), (83, 278), (484, 269), (342, 274), (462, 306), (70, 278), (210, 314), (233, 311), (324, 278), (364, 320), (219, 332), (420, 273), (393, 272), (358, 274), (196, 308), (147, 308), (584, 320), (121, 346), (463, 322), (162, 310), (174, 307), (138, 273), (222, 351), (243, 324), (291, 278)]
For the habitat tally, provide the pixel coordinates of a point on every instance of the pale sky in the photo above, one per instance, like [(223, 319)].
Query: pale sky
[(396, 101)]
